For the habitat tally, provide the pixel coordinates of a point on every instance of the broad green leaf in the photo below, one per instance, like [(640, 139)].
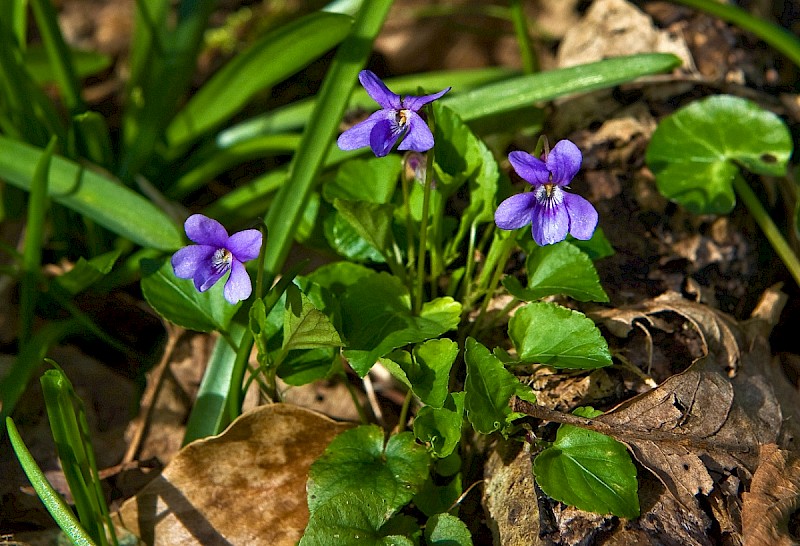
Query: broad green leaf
[(447, 530), (597, 247), (87, 272), (373, 180), (488, 389), (270, 60), (345, 240), (377, 317), (304, 366), (354, 518), (440, 428), (178, 301), (305, 326), (338, 276), (434, 499), (547, 333), (589, 470), (359, 460), (101, 199), (371, 221), (518, 93), (427, 370), (458, 152), (558, 269), (696, 153)]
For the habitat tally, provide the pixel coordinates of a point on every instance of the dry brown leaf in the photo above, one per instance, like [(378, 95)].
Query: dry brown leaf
[(774, 495), (245, 486)]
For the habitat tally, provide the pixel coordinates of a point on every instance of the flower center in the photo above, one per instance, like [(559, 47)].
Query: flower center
[(401, 117), (221, 260), (549, 195)]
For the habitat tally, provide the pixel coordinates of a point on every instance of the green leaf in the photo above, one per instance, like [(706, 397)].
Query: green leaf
[(178, 301), (86, 63), (458, 152), (373, 180), (558, 269), (597, 247), (305, 326), (338, 276), (355, 519), (434, 499), (305, 366), (87, 272), (89, 193), (427, 371), (697, 152), (519, 93), (547, 333), (589, 470), (377, 317), (268, 61), (371, 221), (440, 428), (358, 461), (447, 530), (489, 387), (346, 241)]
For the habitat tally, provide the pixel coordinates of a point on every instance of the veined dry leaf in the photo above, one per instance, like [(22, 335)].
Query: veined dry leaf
[(245, 486), (774, 495)]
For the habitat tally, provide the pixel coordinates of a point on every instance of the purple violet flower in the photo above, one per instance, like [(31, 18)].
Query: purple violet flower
[(215, 254), (551, 211), (398, 118)]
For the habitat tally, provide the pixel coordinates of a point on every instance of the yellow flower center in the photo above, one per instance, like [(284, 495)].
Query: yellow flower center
[(221, 260)]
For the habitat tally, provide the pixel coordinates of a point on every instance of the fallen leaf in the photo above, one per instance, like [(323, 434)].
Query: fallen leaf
[(774, 496), (245, 486)]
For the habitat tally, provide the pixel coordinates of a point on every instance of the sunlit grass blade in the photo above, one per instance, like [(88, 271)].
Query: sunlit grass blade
[(16, 13), (90, 193), (86, 63), (70, 433), (58, 54), (518, 93), (34, 233), (778, 37), (49, 496), (285, 211), (268, 61)]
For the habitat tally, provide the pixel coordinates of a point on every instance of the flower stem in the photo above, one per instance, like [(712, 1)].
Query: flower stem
[(503, 253), (260, 263), (423, 234), (404, 181), (401, 421), (769, 228)]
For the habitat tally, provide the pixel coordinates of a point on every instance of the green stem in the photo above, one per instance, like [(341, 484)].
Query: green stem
[(423, 233), (505, 248), (401, 421), (404, 181), (362, 415), (530, 63), (769, 228)]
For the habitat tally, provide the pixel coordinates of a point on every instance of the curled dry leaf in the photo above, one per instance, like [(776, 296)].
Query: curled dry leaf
[(774, 496), (245, 486)]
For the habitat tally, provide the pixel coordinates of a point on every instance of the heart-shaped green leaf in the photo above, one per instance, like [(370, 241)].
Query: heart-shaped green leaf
[(697, 152), (558, 269), (178, 301), (589, 470), (440, 428), (427, 370), (489, 387), (359, 460), (550, 334)]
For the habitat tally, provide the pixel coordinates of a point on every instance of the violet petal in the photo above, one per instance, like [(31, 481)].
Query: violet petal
[(245, 245), (582, 216), (207, 276), (378, 91), (189, 258), (418, 136), (564, 161), (516, 211), (415, 103), (357, 136), (383, 137), (205, 231), (238, 286), (531, 169), (550, 223)]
